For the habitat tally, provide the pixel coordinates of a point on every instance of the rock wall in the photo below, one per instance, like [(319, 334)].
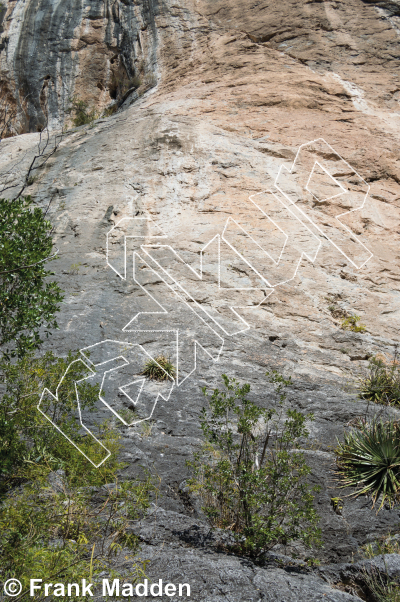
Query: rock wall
[(52, 51), (242, 86)]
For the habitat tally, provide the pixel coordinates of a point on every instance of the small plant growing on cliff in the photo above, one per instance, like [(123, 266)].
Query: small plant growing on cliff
[(337, 312), (250, 475), (380, 586), (353, 323), (110, 110), (337, 504), (382, 383), (369, 460), (134, 82), (81, 113), (74, 269), (159, 368), (387, 544), (149, 81)]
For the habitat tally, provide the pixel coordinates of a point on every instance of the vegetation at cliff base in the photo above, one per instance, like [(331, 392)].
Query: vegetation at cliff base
[(54, 532), (61, 517), (250, 474), (28, 440)]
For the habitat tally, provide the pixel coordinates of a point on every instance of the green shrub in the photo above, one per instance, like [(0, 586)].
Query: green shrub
[(28, 299), (382, 383), (369, 460), (250, 475), (29, 443), (353, 323), (47, 532), (81, 113), (159, 368)]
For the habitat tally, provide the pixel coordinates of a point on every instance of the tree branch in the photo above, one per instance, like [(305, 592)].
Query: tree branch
[(23, 267)]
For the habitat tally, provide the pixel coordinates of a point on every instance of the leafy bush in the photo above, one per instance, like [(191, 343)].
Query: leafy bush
[(369, 459), (81, 113), (159, 368), (59, 531), (249, 474), (382, 384), (353, 323), (46, 533), (29, 443), (28, 300)]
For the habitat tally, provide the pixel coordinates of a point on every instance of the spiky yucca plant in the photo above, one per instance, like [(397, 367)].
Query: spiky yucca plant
[(369, 459), (159, 368)]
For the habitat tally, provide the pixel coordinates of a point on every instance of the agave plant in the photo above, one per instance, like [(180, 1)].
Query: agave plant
[(369, 459), (159, 368)]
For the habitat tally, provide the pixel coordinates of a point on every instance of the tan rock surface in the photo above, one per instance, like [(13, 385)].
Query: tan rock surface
[(241, 86), (234, 103)]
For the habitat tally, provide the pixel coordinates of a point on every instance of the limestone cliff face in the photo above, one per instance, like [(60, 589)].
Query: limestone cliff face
[(92, 49), (54, 50), (241, 86)]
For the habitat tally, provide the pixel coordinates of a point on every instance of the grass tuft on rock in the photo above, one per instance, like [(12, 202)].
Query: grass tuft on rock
[(159, 368), (381, 588), (382, 383)]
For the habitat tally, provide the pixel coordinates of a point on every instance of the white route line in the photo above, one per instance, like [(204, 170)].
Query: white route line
[(329, 198), (55, 397), (127, 363), (352, 234), (180, 298), (199, 275), (302, 254), (117, 226)]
